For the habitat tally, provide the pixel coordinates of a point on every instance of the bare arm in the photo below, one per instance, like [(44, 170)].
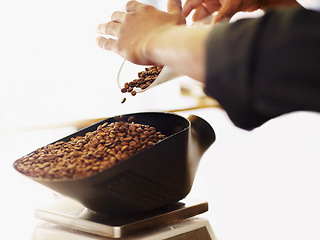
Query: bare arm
[(181, 48)]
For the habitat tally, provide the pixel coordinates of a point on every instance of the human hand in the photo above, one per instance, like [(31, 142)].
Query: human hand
[(132, 29), (227, 8)]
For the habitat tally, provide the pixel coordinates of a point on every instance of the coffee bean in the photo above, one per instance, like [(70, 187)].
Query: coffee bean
[(145, 79), (94, 152), (131, 119), (124, 90)]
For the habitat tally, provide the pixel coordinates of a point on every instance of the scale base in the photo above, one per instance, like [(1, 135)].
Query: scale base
[(190, 229), (67, 219)]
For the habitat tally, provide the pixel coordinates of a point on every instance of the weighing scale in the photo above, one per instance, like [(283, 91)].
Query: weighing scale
[(66, 219)]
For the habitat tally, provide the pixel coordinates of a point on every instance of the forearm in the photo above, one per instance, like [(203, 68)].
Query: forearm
[(181, 48)]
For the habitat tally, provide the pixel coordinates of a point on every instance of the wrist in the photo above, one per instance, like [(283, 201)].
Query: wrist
[(153, 41), (181, 48)]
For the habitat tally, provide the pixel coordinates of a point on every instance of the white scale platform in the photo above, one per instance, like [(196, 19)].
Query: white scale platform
[(67, 219)]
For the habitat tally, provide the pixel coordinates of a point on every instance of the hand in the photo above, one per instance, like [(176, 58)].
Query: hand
[(227, 8), (132, 29)]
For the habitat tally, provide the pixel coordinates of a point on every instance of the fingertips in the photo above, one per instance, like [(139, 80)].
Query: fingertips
[(106, 43), (225, 12), (118, 16), (100, 29), (132, 5), (100, 41), (219, 18), (110, 28)]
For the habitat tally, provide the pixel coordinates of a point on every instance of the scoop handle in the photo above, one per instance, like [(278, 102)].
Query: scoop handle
[(202, 133)]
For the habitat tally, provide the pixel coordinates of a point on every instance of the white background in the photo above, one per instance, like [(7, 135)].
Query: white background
[(262, 184)]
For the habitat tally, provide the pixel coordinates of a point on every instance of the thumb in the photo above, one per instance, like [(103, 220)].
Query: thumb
[(174, 6)]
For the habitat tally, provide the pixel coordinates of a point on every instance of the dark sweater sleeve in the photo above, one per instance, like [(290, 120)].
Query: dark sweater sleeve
[(258, 69)]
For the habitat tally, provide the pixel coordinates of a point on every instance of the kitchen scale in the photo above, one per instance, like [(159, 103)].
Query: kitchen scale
[(67, 219), (143, 197)]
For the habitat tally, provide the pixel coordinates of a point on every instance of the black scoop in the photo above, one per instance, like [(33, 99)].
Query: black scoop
[(157, 176)]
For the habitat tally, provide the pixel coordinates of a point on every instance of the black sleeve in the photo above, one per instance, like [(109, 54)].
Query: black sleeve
[(258, 69)]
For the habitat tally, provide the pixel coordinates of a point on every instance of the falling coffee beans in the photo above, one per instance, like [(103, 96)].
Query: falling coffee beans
[(145, 79), (83, 156)]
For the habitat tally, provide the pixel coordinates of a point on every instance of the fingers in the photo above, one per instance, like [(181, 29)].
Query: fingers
[(218, 18), (132, 6), (190, 5), (203, 8), (110, 28), (200, 13), (226, 12), (206, 9), (113, 27), (118, 16), (106, 43), (174, 6)]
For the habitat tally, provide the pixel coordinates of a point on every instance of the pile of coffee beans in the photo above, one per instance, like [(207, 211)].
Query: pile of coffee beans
[(145, 78), (85, 155)]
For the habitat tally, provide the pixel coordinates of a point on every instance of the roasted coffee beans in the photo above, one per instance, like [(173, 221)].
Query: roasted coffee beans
[(145, 78), (85, 155)]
